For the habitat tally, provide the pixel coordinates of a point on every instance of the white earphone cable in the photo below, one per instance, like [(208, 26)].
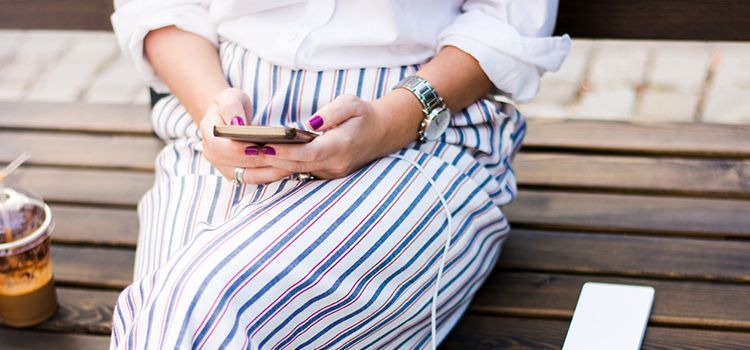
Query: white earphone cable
[(446, 246)]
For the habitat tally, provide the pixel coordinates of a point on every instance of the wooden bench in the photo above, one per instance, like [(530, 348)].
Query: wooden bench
[(666, 205)]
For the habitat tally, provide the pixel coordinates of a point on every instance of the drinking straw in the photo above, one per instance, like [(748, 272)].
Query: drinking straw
[(7, 233)]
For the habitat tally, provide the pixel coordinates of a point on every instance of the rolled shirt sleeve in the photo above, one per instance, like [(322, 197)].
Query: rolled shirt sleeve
[(134, 19), (510, 40)]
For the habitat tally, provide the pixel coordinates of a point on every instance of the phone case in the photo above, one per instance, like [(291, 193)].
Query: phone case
[(264, 134)]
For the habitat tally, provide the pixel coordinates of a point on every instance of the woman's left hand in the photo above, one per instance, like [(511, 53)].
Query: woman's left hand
[(356, 133)]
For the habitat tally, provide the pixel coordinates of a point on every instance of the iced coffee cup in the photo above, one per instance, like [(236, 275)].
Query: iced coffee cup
[(27, 292)]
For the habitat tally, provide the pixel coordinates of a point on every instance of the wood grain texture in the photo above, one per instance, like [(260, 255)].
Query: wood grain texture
[(655, 19), (82, 311), (87, 117), (95, 226), (633, 256), (715, 177), (15, 339), (706, 140), (106, 187), (677, 303), (727, 178), (102, 151), (52, 14), (93, 267), (486, 332), (662, 215)]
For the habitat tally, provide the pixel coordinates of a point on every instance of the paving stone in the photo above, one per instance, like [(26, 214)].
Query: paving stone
[(67, 78), (64, 83), (92, 47), (729, 106), (547, 111), (732, 71), (573, 68), (617, 65), (609, 104), (117, 83), (680, 68), (43, 46), (667, 106), (15, 78), (559, 94), (9, 42)]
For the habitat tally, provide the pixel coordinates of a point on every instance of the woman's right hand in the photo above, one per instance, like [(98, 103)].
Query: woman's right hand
[(231, 106)]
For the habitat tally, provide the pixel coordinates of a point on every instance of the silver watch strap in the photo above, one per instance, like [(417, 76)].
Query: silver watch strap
[(424, 91), (431, 102)]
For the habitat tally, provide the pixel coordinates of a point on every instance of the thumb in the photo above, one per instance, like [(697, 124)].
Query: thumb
[(336, 112)]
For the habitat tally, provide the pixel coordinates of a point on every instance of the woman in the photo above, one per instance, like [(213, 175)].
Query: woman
[(375, 234)]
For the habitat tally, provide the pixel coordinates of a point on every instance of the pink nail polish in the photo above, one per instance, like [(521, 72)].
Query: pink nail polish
[(251, 151), (316, 122), (237, 120), (269, 151)]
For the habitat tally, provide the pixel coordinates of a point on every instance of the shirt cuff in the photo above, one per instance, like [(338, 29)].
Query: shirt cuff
[(134, 20), (512, 62)]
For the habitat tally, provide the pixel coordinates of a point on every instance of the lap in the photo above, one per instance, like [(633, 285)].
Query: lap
[(369, 239)]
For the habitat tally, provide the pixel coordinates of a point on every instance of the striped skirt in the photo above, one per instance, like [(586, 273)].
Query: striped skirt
[(354, 262)]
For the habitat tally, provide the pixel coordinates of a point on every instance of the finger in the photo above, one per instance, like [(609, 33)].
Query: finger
[(336, 112), (254, 175), (264, 175), (293, 166), (234, 106), (225, 151), (312, 151)]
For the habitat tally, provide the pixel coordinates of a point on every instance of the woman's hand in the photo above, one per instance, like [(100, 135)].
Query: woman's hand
[(356, 133), (232, 106)]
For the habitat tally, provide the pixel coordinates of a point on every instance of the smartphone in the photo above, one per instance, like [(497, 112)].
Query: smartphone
[(610, 316), (264, 134)]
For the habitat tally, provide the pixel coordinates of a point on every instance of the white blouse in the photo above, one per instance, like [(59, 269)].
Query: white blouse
[(509, 38)]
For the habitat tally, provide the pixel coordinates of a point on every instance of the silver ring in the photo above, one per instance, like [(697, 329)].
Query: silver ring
[(304, 177), (239, 174)]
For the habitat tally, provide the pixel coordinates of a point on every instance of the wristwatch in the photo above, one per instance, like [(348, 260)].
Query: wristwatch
[(436, 114)]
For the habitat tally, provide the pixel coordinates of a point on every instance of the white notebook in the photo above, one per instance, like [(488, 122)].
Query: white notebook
[(610, 316)]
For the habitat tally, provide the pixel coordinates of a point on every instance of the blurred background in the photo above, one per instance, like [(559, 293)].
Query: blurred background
[(625, 80)]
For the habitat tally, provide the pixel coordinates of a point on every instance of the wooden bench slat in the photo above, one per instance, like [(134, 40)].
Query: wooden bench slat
[(618, 137), (96, 267), (577, 135), (82, 311), (108, 187), (95, 226), (683, 303), (487, 332), (75, 116), (669, 258), (15, 339), (135, 152), (670, 175), (642, 174), (533, 209), (630, 213), (635, 256)]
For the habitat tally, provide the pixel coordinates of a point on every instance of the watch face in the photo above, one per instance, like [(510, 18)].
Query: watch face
[(438, 125)]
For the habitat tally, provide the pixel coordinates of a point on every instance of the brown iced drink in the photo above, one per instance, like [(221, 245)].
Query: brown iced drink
[(27, 293)]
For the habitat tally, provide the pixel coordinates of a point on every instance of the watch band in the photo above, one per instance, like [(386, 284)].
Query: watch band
[(432, 103)]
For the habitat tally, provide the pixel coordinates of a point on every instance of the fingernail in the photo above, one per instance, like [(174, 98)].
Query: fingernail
[(251, 150), (269, 151), (316, 122), (237, 121)]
